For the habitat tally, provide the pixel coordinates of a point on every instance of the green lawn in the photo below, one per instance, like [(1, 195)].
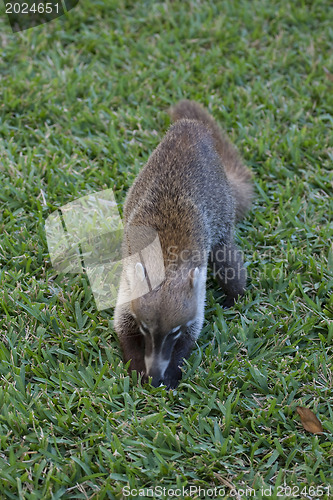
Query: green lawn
[(83, 103)]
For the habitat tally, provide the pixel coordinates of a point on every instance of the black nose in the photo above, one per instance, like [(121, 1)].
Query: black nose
[(156, 382), (156, 379)]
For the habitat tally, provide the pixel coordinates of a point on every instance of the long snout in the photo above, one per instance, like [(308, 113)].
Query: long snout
[(156, 378), (156, 366)]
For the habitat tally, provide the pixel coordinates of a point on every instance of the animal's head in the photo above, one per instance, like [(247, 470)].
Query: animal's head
[(165, 315)]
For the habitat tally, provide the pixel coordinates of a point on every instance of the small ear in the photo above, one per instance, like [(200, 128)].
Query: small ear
[(194, 275), (140, 271)]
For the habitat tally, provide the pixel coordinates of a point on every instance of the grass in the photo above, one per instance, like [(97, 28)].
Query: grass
[(82, 105)]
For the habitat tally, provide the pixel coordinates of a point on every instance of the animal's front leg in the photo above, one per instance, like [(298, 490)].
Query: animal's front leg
[(131, 341), (181, 351), (228, 268)]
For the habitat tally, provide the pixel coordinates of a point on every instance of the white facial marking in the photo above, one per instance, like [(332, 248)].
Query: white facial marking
[(156, 361), (175, 332), (175, 329), (144, 329)]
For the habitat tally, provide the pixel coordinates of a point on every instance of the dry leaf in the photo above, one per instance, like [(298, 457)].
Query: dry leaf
[(309, 420)]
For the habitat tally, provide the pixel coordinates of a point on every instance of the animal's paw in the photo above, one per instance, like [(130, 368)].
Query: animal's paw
[(172, 384), (172, 378), (228, 302)]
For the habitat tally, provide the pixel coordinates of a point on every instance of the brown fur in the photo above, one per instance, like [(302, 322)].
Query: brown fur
[(192, 189), (238, 175)]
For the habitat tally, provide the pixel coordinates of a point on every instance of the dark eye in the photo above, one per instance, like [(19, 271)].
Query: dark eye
[(144, 329), (175, 332)]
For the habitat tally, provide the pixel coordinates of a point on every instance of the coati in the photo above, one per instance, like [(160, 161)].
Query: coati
[(190, 193)]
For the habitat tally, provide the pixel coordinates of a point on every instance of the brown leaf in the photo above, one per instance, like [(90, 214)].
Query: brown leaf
[(309, 420)]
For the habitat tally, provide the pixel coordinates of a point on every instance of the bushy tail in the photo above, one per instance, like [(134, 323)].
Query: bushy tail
[(239, 175)]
